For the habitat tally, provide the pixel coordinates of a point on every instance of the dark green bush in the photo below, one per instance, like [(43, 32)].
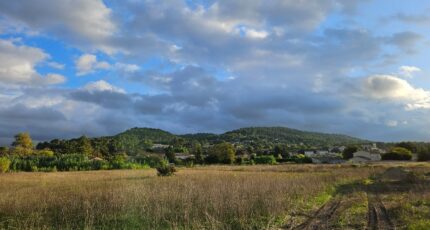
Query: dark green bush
[(269, 159), (301, 159), (398, 153), (424, 156)]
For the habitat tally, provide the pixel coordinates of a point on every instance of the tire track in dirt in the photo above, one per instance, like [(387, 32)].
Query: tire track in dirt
[(378, 218), (324, 217)]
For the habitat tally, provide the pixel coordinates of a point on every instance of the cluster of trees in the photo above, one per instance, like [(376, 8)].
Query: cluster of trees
[(73, 155)]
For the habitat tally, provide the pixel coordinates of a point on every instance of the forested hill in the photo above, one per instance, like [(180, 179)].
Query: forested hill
[(136, 140), (278, 135)]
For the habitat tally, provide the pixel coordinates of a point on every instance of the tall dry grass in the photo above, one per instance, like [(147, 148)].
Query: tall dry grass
[(215, 197)]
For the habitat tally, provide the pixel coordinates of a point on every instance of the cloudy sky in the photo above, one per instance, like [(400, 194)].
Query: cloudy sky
[(93, 67)]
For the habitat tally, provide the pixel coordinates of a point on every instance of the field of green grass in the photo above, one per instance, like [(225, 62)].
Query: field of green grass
[(217, 197)]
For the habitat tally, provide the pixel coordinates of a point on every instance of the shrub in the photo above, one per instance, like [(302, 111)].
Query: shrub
[(119, 162), (301, 159), (73, 162), (166, 169), (397, 153), (348, 152), (45, 152), (152, 160), (4, 164), (268, 159), (424, 156), (99, 164)]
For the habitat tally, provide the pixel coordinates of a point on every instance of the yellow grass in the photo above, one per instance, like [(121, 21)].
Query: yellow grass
[(214, 197)]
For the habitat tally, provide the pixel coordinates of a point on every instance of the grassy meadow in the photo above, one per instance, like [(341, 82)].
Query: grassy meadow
[(210, 197)]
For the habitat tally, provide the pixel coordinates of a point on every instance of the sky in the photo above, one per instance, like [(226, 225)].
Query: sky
[(91, 67)]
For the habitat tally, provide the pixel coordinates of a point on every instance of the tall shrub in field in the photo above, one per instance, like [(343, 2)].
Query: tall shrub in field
[(4, 164), (166, 169)]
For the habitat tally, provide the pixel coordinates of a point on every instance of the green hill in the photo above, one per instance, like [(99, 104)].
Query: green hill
[(136, 140), (288, 136)]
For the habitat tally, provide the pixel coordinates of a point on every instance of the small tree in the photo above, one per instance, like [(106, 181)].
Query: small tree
[(198, 153), (23, 140), (349, 151), (4, 164), (170, 154), (166, 169), (23, 144), (424, 153), (223, 153)]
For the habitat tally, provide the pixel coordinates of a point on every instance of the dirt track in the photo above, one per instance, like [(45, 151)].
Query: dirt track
[(327, 215), (378, 217), (323, 218)]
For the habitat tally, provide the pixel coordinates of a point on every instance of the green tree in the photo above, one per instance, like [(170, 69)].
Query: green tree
[(408, 145), (398, 153), (23, 140), (349, 151), (84, 146), (424, 154), (4, 164), (223, 153), (198, 152), (170, 154)]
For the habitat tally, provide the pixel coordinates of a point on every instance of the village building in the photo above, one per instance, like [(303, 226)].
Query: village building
[(364, 156)]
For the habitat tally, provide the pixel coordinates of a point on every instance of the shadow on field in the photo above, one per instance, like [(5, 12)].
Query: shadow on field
[(379, 185)]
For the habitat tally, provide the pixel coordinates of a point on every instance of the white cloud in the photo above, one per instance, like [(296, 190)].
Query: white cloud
[(85, 22), (129, 68), (100, 86), (56, 65), (18, 62), (53, 78), (408, 71), (256, 34), (387, 87), (87, 63)]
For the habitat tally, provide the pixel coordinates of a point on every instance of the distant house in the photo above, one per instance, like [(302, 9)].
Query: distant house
[(322, 152), (183, 156), (309, 153), (159, 146), (363, 157)]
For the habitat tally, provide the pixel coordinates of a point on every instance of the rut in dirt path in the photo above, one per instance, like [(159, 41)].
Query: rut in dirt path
[(324, 217), (377, 215)]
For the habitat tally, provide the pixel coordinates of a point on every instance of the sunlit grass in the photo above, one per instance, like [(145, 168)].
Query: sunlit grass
[(214, 197)]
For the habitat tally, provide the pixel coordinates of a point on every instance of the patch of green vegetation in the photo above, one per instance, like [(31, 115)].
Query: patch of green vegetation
[(355, 216), (420, 225)]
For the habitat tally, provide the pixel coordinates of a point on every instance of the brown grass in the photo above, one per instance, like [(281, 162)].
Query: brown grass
[(214, 197)]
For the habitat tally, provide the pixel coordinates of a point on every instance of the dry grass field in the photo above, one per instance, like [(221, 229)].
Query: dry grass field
[(216, 197)]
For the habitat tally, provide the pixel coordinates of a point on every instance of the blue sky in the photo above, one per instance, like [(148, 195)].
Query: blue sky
[(92, 67)]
